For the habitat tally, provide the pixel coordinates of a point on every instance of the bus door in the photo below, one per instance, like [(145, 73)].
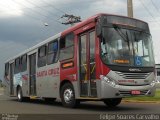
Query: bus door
[(32, 74), (11, 79), (87, 64)]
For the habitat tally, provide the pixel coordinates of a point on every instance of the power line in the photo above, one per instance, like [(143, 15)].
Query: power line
[(155, 6), (41, 8), (30, 8), (33, 17), (71, 19), (54, 7), (49, 11), (149, 12), (35, 11)]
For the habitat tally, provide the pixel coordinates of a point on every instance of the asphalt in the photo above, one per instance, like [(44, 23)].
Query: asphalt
[(11, 105), (91, 110)]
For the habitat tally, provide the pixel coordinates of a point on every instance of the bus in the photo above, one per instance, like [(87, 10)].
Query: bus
[(103, 58), (158, 72)]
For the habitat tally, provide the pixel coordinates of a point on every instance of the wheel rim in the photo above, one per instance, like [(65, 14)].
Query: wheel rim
[(68, 95), (19, 95)]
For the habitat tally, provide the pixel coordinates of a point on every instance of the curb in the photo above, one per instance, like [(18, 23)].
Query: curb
[(137, 101)]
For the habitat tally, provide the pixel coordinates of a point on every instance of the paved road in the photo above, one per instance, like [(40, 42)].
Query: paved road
[(12, 106)]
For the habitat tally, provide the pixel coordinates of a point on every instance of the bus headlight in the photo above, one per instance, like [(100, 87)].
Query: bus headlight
[(108, 80), (153, 83)]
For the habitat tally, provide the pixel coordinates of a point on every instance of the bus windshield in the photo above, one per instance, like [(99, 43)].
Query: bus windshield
[(126, 47)]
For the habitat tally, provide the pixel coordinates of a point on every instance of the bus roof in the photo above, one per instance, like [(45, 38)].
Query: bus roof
[(91, 19), (73, 28), (34, 47)]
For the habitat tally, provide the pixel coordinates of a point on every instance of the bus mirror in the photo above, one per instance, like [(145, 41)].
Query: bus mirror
[(99, 26), (100, 22), (6, 74), (98, 29)]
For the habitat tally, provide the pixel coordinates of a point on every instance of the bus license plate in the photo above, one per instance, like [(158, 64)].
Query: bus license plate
[(135, 92)]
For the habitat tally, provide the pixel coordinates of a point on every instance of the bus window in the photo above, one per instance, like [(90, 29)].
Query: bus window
[(17, 66), (42, 56), (52, 52), (23, 63), (158, 72), (67, 47), (6, 69)]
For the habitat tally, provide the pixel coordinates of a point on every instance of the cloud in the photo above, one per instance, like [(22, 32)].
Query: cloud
[(9, 8), (22, 21), (9, 49)]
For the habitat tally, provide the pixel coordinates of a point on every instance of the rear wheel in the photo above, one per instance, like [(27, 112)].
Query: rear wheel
[(68, 96), (112, 102), (20, 95)]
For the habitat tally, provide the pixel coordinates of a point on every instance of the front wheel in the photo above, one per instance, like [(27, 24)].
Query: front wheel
[(68, 96), (112, 102)]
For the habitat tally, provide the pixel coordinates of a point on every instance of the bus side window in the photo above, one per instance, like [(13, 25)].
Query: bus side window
[(52, 52), (67, 47), (158, 72), (42, 56), (17, 66), (23, 63), (6, 70)]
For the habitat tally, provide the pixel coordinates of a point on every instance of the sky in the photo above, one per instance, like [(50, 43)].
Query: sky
[(22, 22)]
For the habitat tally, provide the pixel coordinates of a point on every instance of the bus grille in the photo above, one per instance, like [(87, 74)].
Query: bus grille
[(133, 75), (128, 93)]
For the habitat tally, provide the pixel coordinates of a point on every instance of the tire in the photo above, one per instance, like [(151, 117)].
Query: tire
[(20, 96), (112, 102), (68, 96)]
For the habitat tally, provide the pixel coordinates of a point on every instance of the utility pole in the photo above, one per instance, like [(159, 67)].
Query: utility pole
[(130, 8), (71, 19)]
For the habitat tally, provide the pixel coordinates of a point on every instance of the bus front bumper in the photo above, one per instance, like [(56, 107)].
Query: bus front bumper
[(111, 90)]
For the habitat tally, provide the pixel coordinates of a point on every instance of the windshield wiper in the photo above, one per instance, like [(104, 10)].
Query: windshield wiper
[(124, 36)]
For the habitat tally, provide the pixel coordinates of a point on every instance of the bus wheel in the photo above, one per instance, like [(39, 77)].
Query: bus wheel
[(68, 96), (19, 94), (112, 102)]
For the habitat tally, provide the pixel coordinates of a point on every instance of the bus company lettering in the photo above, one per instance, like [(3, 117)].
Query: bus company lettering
[(50, 72), (25, 77)]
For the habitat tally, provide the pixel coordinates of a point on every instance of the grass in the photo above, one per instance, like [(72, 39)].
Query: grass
[(152, 99)]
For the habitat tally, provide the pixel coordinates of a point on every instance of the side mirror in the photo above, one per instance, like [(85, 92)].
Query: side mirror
[(6, 74), (98, 29), (99, 26)]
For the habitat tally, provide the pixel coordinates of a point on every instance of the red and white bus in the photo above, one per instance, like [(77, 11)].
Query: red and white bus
[(106, 57)]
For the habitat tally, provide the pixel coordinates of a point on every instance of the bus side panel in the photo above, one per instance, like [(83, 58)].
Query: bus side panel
[(101, 69), (48, 81), (25, 83), (17, 81), (70, 73), (6, 86)]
